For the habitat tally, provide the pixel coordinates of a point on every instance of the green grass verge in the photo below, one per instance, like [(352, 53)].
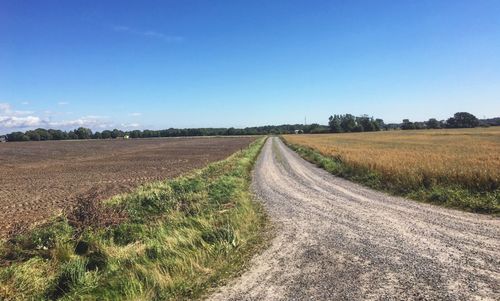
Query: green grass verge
[(449, 196), (181, 237)]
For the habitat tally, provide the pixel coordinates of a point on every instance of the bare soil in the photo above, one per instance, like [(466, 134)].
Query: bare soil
[(39, 179), (336, 240)]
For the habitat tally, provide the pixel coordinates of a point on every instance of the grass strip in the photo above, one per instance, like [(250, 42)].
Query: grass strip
[(451, 196), (181, 237)]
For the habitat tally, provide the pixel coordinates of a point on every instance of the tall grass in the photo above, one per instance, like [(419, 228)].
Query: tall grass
[(454, 168), (181, 237)]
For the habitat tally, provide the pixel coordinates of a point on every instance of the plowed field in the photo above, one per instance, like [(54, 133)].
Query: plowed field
[(39, 179)]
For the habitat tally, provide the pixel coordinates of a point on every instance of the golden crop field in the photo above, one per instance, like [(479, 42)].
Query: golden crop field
[(469, 158)]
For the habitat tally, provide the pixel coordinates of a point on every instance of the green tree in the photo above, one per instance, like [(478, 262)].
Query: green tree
[(33, 135), (117, 133), (348, 123), (379, 124), (106, 134), (365, 123), (462, 120), (334, 122), (58, 134), (17, 136), (407, 125), (83, 133), (72, 135), (433, 123), (136, 134)]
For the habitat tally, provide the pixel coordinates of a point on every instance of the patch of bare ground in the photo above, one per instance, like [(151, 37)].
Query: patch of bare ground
[(40, 179)]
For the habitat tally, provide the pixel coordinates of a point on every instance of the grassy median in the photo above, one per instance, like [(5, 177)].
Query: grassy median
[(167, 240)]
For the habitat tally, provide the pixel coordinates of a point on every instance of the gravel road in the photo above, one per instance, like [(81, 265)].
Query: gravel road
[(336, 240)]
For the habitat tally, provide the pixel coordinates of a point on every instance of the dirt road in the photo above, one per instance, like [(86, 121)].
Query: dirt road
[(336, 240)]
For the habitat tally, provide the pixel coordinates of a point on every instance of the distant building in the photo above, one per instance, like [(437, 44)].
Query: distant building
[(126, 137), (3, 139), (299, 131)]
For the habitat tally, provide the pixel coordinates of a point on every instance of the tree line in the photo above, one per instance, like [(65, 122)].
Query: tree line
[(336, 124), (459, 120), (350, 123), (86, 133)]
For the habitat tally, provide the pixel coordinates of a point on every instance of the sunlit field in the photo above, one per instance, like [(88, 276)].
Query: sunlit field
[(410, 160)]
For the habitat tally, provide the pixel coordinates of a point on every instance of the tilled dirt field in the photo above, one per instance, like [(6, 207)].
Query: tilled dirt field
[(39, 179), (336, 240)]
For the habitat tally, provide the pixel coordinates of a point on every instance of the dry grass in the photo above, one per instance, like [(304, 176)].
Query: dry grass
[(410, 160)]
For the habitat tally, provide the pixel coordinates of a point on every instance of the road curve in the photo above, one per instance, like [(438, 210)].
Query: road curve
[(336, 240)]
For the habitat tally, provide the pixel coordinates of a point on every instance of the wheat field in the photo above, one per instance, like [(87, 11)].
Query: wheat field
[(469, 158)]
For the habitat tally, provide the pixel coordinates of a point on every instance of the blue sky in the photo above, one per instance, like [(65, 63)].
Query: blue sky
[(160, 64)]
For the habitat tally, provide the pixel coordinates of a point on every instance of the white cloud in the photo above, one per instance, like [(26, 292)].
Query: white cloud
[(24, 103), (148, 33), (63, 103), (19, 122), (135, 114), (11, 119)]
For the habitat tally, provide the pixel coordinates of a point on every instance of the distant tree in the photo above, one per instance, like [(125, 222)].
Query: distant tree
[(319, 129), (146, 134), (138, 134), (58, 134), (83, 133), (230, 131), (365, 123), (72, 135), (97, 135), (358, 128), (17, 136), (379, 124), (43, 134), (419, 125), (407, 125), (334, 122), (462, 120), (33, 135), (117, 133), (348, 123), (433, 123), (106, 134)]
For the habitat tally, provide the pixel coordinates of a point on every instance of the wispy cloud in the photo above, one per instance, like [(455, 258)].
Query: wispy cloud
[(63, 103), (135, 114), (130, 125), (6, 109), (148, 33), (25, 103), (85, 121)]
